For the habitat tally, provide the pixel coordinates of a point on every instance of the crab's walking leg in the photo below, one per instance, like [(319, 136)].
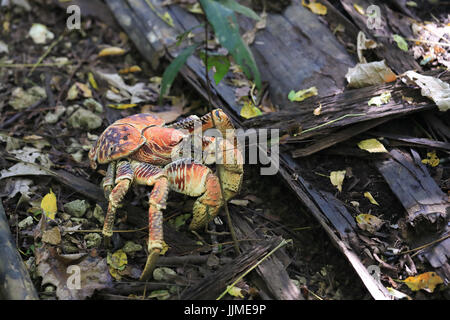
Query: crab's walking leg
[(157, 202), (108, 181), (124, 177), (195, 180)]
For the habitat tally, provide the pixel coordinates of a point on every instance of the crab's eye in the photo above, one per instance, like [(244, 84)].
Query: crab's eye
[(218, 114)]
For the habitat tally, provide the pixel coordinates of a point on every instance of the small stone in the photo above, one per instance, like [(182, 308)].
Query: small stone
[(84, 119), (93, 105), (76, 208), (22, 99), (131, 247), (53, 116), (163, 273), (93, 240), (28, 221)]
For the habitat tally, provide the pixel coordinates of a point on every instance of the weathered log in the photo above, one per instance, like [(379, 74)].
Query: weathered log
[(15, 281), (427, 207)]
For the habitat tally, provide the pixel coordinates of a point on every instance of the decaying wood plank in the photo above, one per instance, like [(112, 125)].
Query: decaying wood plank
[(212, 286), (15, 282), (427, 207), (271, 270), (338, 110), (412, 141)]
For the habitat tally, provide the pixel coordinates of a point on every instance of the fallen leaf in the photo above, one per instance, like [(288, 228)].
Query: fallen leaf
[(302, 94), (426, 281), (433, 88), (367, 74), (397, 294), (369, 196), (372, 146), (401, 42), (75, 276), (337, 178), (49, 206), (52, 236), (317, 110), (87, 93), (131, 69), (92, 81), (249, 110), (117, 262), (369, 222), (431, 159), (122, 106), (383, 98), (362, 43), (111, 51), (235, 292), (72, 94), (359, 9)]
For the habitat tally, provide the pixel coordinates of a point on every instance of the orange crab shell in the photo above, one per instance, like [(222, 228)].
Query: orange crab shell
[(122, 138)]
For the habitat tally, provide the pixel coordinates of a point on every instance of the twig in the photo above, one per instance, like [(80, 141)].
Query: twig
[(423, 246), (47, 52)]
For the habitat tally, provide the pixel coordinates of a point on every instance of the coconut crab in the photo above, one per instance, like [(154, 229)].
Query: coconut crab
[(140, 149)]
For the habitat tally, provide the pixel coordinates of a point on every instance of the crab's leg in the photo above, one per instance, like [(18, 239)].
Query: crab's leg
[(108, 181), (195, 180), (157, 202), (124, 177)]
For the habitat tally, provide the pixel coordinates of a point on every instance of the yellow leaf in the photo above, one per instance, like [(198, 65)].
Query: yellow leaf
[(368, 195), (48, 205), (111, 51), (72, 94), (122, 106), (235, 292), (432, 159), (397, 294), (87, 93), (369, 222), (372, 146), (168, 19), (359, 9), (337, 178), (249, 110), (302, 94), (426, 281), (130, 70), (383, 98), (315, 7), (118, 260), (92, 81)]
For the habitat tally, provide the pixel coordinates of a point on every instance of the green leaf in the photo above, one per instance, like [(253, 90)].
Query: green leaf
[(233, 5), (226, 28), (220, 63), (172, 70), (401, 42)]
